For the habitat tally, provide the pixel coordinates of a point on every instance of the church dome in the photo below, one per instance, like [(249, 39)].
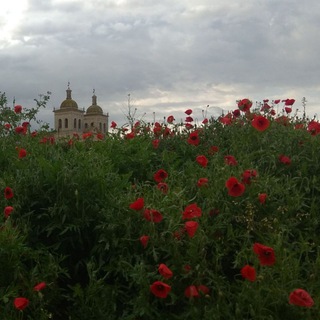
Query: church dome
[(69, 103), (94, 108)]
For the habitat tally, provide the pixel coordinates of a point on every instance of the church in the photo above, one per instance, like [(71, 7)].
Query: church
[(69, 119)]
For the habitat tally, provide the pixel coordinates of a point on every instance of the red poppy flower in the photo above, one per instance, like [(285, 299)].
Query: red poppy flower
[(213, 150), (203, 289), (189, 119), (288, 102), (137, 205), (248, 175), (191, 211), (187, 268), (7, 211), (20, 129), (188, 112), (202, 182), (236, 113), (160, 175), (314, 127), (260, 123), (167, 132), (152, 215), (130, 135), (230, 160), (136, 127), (191, 292), (191, 228), (157, 130), (248, 272), (194, 138), (17, 108), (265, 107), (163, 187), (265, 254), (284, 159), (276, 101), (299, 126), (165, 271), (205, 121), (235, 188), (226, 120), (244, 105), (144, 240), (170, 119), (137, 124), (44, 140), (273, 112), (8, 193), (100, 136), (202, 160), (113, 125), (188, 126), (40, 286), (22, 153), (288, 109), (160, 289), (155, 143), (178, 234), (7, 126), (262, 198), (20, 303), (300, 297), (86, 135)]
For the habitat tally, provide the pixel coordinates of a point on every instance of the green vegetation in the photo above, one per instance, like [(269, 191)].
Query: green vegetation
[(80, 207)]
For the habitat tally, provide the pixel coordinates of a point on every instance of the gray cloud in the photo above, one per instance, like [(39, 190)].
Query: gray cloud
[(169, 56)]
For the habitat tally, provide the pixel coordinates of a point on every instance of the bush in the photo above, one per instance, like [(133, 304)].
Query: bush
[(94, 220)]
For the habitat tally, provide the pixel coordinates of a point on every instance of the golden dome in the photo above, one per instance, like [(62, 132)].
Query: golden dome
[(69, 103), (94, 108)]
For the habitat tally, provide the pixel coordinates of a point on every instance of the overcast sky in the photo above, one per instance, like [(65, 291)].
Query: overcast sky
[(169, 55)]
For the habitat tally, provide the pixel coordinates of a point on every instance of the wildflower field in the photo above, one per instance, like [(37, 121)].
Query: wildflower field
[(218, 220)]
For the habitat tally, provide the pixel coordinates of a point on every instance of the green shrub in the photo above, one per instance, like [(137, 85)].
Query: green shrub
[(74, 226)]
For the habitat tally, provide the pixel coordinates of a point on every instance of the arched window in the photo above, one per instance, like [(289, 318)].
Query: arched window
[(86, 125), (79, 124), (66, 123), (104, 128), (100, 126), (60, 124), (92, 124), (75, 123)]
